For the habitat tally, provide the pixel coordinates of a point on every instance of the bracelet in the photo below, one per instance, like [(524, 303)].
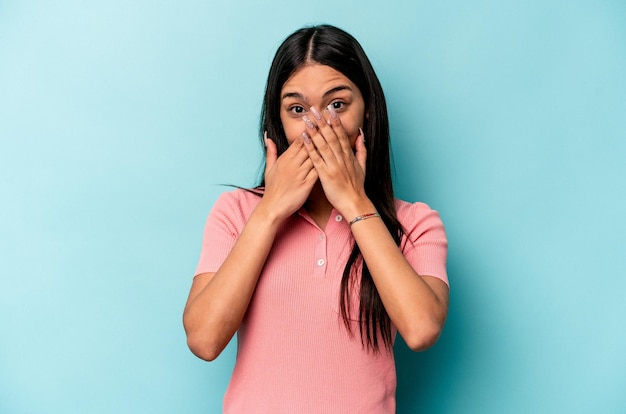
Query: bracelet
[(363, 217)]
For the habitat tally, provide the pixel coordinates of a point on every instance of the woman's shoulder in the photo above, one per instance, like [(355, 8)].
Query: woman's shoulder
[(407, 208), (239, 199), (414, 215)]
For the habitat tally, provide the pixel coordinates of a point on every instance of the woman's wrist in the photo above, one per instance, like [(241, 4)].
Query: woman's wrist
[(268, 215), (361, 207), (364, 217)]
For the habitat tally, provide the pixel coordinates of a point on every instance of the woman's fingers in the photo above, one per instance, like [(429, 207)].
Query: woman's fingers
[(334, 122), (329, 140), (271, 152), (324, 138), (289, 178), (292, 166), (314, 156), (324, 125), (360, 149)]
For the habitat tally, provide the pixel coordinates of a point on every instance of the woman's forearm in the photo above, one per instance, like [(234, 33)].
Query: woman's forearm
[(416, 304), (217, 303)]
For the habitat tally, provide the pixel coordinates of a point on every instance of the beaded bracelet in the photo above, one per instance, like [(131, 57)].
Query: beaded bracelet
[(363, 217)]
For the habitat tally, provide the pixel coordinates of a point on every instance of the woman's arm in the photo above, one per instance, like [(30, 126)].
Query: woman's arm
[(218, 301), (416, 304)]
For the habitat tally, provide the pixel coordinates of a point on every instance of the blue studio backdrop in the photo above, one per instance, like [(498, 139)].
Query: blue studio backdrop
[(119, 121)]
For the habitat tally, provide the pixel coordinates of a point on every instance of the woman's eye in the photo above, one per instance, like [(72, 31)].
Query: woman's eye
[(296, 109), (338, 104)]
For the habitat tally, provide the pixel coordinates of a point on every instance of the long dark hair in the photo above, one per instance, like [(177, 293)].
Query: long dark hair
[(331, 46)]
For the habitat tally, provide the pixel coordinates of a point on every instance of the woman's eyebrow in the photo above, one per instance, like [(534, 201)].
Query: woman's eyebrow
[(337, 89), (331, 91), (295, 95)]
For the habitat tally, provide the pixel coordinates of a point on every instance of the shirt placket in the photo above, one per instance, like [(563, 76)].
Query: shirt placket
[(321, 258), (321, 242)]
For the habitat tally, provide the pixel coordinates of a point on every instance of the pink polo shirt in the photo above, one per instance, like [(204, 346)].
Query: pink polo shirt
[(293, 353)]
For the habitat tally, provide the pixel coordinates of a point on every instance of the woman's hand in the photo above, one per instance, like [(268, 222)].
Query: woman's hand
[(341, 169), (288, 179)]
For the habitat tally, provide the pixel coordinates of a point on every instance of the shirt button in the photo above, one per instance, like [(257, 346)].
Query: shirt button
[(321, 262), (338, 217), (322, 237)]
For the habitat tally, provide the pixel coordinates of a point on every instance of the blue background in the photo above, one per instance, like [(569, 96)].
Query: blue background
[(119, 120)]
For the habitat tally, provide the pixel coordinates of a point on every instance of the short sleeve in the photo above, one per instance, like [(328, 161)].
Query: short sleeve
[(223, 226), (425, 244)]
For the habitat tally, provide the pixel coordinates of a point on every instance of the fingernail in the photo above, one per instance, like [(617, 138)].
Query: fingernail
[(316, 113), (362, 134), (308, 122), (332, 112), (265, 138), (306, 137)]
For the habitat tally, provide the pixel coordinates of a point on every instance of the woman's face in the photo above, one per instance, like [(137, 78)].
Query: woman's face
[(320, 85)]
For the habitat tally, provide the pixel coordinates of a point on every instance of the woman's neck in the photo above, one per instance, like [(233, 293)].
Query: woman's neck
[(318, 206)]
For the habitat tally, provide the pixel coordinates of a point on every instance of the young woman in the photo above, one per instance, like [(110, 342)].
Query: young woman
[(318, 267)]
